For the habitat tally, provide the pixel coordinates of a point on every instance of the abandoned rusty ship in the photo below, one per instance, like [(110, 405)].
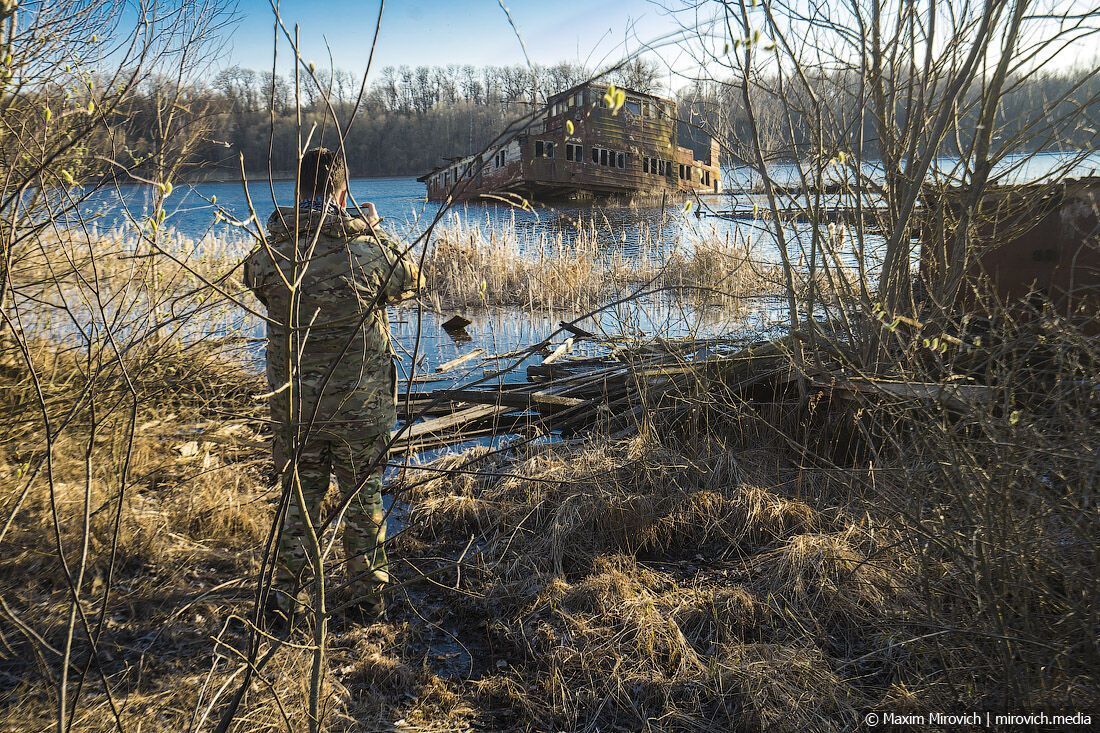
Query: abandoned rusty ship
[(582, 147)]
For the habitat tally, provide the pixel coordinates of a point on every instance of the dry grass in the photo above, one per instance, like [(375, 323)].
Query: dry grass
[(468, 266), (685, 579), (714, 572), (612, 584), (643, 591), (168, 287)]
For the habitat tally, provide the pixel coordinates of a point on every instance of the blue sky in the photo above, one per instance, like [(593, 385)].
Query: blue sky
[(439, 32), (427, 32)]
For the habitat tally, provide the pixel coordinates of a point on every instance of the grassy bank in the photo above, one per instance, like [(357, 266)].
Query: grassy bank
[(778, 557), (732, 564)]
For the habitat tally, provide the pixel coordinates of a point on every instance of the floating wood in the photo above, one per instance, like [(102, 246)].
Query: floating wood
[(562, 349), (577, 330), (452, 427), (513, 398), (459, 361), (456, 324), (569, 394)]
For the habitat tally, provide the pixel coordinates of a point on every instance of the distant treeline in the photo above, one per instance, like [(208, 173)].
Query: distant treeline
[(407, 120), (410, 119)]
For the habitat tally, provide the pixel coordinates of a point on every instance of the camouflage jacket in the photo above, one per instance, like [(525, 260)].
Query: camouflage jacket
[(348, 274)]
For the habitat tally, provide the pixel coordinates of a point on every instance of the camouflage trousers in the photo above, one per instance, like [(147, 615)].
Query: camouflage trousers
[(357, 464)]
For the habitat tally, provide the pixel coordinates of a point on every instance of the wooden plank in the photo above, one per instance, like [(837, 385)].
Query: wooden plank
[(577, 330), (571, 369), (562, 349), (956, 396), (507, 424), (459, 361), (453, 421), (514, 398)]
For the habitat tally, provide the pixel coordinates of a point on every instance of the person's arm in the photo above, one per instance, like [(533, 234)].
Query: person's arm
[(252, 277), (403, 278)]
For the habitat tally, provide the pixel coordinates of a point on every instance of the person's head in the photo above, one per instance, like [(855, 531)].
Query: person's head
[(323, 175)]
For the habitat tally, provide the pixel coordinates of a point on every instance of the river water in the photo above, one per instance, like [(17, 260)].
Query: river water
[(623, 231), (201, 215)]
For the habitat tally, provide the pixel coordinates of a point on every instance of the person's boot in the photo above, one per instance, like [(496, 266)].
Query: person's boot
[(367, 590), (366, 611), (282, 610)]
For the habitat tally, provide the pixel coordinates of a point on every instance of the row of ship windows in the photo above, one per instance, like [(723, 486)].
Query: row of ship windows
[(649, 109), (574, 153)]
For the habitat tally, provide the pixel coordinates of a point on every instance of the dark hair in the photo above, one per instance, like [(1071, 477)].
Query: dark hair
[(322, 174)]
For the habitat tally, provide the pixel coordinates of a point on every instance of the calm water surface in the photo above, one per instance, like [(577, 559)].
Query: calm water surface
[(620, 230)]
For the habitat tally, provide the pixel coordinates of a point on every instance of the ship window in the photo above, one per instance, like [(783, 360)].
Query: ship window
[(574, 153), (603, 157), (595, 155), (645, 165), (620, 160), (549, 150), (633, 108), (578, 99), (538, 149)]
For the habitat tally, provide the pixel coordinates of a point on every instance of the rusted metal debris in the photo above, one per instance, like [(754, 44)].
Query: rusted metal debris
[(1036, 242)]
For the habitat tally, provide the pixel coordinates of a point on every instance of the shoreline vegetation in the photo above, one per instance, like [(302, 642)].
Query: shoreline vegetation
[(412, 119), (704, 568), (467, 267)]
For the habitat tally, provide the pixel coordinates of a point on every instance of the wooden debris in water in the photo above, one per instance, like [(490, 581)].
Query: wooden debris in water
[(459, 361), (560, 351), (456, 324), (565, 394)]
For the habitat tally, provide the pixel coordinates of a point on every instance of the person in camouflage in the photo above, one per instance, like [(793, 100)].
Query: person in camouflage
[(332, 407)]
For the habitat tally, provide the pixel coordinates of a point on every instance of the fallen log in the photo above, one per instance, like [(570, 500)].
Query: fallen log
[(577, 330)]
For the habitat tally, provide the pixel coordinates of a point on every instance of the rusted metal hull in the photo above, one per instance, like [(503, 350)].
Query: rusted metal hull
[(583, 149), (1035, 243)]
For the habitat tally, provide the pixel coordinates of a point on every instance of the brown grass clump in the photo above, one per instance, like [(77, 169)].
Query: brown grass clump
[(828, 572), (787, 688), (645, 592), (467, 267)]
